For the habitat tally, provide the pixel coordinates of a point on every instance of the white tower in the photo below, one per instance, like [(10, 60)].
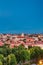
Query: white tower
[(22, 34)]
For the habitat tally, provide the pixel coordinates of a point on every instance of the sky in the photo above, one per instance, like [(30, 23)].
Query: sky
[(21, 16)]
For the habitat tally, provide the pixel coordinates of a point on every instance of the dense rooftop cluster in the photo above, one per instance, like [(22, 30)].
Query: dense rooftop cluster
[(24, 39)]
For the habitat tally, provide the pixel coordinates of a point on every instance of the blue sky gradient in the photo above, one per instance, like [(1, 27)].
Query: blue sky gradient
[(17, 16)]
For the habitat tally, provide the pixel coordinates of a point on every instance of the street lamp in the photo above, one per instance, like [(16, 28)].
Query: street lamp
[(40, 62)]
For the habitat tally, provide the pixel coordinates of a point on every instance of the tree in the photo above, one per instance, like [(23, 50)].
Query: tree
[(1, 50), (29, 47), (24, 56), (35, 53), (41, 54), (1, 63), (6, 50), (11, 59), (21, 47), (1, 57), (5, 61), (17, 51)]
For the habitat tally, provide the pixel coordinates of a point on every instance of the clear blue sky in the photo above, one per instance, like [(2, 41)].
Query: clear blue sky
[(17, 16)]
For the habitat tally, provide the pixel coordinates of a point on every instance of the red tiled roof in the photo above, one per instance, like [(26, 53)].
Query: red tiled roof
[(20, 37), (1, 43)]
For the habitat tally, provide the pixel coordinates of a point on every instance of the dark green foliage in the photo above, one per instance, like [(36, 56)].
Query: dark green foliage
[(12, 56), (21, 47), (5, 50), (35, 52), (29, 47), (19, 52), (24, 56)]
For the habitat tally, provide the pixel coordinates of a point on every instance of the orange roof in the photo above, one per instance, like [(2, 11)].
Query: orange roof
[(1, 43), (20, 37), (29, 39)]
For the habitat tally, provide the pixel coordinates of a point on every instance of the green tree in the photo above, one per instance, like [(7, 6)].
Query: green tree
[(29, 47), (1, 63), (35, 53), (21, 47), (1, 50), (24, 56), (5, 61), (11, 59), (17, 51), (41, 54), (1, 57), (6, 50)]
